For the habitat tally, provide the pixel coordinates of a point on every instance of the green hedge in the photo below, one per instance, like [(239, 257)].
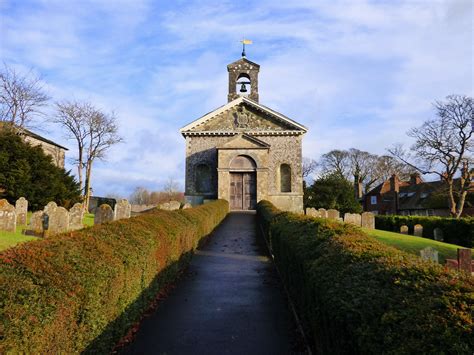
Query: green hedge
[(81, 291), (455, 231), (356, 295)]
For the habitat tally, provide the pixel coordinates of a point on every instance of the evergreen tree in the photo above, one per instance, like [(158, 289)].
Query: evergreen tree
[(332, 191), (27, 171)]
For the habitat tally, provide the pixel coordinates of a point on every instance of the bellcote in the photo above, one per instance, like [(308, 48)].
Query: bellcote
[(243, 79)]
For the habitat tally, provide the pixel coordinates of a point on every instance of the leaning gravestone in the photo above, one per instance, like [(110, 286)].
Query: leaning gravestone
[(404, 229), (123, 209), (367, 220), (36, 223), (170, 206), (438, 234), (104, 213), (429, 254), (58, 220), (418, 230), (465, 260), (21, 207), (7, 217), (323, 213), (333, 214), (76, 215)]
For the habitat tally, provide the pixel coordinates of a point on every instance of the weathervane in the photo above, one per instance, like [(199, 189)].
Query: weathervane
[(244, 42)]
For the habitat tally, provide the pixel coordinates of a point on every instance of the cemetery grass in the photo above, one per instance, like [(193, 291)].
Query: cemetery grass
[(413, 245), (10, 239)]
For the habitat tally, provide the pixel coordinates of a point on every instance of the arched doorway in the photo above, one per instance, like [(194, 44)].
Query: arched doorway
[(243, 183)]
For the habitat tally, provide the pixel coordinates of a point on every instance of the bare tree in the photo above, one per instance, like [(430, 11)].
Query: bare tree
[(102, 133), (171, 187), (94, 132), (336, 161), (308, 167), (22, 97), (444, 146), (74, 117), (140, 196)]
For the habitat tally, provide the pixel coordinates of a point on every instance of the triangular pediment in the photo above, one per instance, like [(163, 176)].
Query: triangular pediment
[(243, 115), (244, 141)]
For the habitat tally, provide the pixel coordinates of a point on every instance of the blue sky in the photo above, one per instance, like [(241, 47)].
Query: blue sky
[(356, 73)]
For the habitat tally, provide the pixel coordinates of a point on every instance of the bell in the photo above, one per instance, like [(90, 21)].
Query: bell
[(243, 88)]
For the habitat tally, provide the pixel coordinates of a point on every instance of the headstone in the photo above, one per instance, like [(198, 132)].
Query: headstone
[(368, 220), (36, 223), (429, 254), (452, 264), (123, 209), (21, 207), (58, 220), (312, 212), (438, 234), (50, 207), (186, 206), (333, 214), (323, 213), (404, 229), (352, 218), (76, 216), (418, 230), (170, 206), (7, 217), (103, 213), (464, 260)]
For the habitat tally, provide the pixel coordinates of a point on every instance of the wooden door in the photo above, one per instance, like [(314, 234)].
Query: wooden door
[(243, 191), (236, 190)]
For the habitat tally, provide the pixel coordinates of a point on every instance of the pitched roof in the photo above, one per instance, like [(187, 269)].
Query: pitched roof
[(31, 134), (276, 115)]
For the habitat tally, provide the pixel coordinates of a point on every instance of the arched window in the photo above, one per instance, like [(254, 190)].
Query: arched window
[(244, 86), (203, 178), (285, 178)]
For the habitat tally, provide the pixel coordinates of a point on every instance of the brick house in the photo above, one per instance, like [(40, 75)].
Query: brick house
[(413, 197)]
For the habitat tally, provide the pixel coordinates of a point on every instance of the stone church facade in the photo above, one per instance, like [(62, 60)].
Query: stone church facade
[(244, 152)]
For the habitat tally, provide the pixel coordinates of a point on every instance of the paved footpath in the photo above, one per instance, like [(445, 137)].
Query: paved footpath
[(230, 302)]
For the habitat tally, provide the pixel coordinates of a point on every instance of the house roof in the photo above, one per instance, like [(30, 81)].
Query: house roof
[(210, 115), (32, 135)]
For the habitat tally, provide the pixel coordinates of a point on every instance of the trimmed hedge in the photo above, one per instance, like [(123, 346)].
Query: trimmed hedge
[(356, 295), (82, 291), (455, 231)]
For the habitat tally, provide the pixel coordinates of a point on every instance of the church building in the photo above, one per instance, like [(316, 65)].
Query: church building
[(244, 152)]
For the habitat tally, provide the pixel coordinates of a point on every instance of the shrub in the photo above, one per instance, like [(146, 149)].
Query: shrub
[(455, 231), (357, 295), (81, 291)]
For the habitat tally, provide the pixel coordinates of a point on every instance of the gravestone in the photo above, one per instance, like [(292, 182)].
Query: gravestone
[(50, 207), (170, 206), (367, 220), (333, 214), (21, 207), (323, 213), (36, 223), (58, 220), (312, 212), (104, 213), (123, 209), (438, 234), (418, 230), (404, 229), (352, 218), (7, 217), (187, 205), (465, 260), (76, 215), (429, 254)]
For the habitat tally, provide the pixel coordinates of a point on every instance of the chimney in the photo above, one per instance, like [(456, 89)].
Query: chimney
[(415, 179), (394, 183), (357, 187)]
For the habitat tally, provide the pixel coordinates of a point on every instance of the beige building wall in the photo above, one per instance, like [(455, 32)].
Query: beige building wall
[(58, 154)]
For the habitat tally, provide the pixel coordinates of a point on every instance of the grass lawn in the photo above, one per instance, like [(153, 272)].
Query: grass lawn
[(9, 239), (413, 245)]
